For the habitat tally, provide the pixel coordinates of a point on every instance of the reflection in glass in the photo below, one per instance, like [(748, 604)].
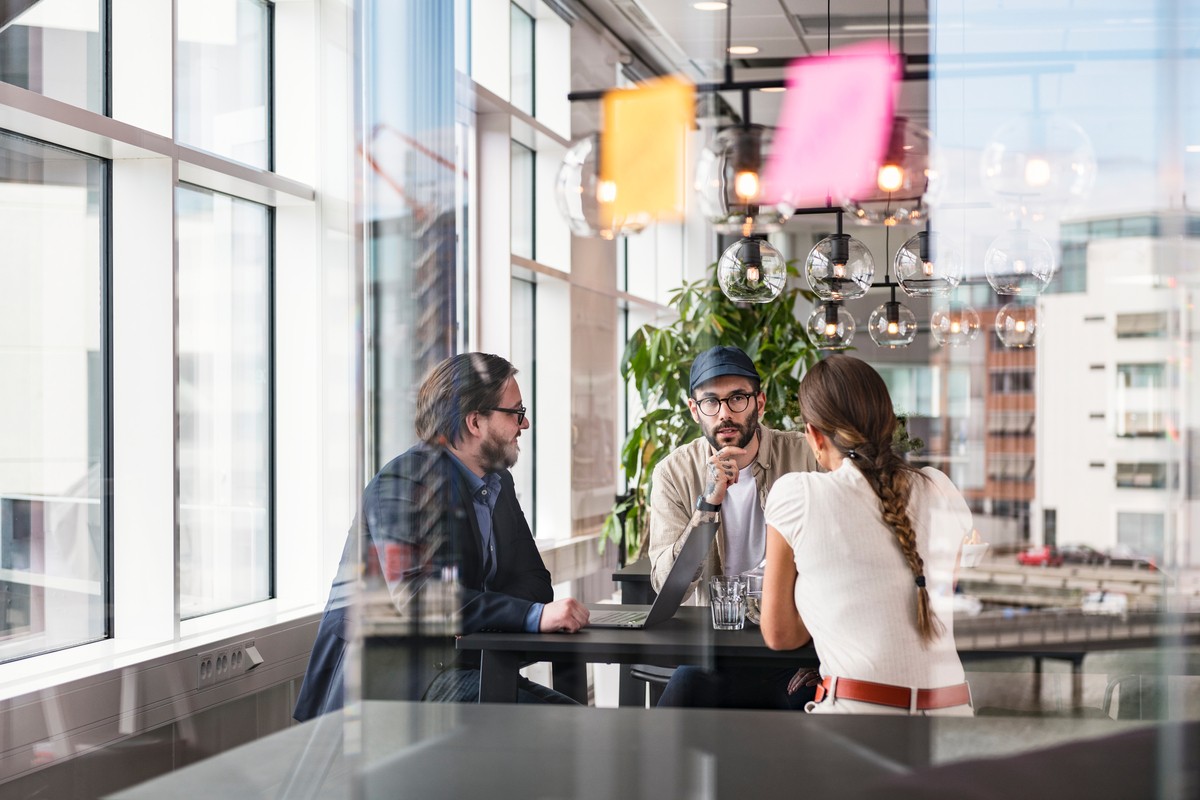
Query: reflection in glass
[(522, 172), (223, 78), (223, 293), (55, 48), (522, 60), (52, 408)]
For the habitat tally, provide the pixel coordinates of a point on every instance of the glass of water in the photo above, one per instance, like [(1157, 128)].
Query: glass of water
[(727, 598)]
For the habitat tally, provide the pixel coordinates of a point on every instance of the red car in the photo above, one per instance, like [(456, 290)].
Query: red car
[(1042, 555)]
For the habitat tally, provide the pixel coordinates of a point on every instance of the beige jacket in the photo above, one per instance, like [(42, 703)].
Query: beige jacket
[(678, 480)]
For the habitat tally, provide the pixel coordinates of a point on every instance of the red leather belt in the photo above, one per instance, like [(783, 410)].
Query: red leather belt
[(884, 694)]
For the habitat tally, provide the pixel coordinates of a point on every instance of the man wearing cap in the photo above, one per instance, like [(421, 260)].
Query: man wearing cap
[(723, 476)]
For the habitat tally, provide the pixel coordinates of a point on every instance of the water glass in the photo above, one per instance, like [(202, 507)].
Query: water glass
[(727, 598), (754, 584)]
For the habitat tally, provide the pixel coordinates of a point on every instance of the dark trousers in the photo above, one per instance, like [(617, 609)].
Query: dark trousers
[(742, 687)]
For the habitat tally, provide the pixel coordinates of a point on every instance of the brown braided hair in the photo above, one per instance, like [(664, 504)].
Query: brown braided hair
[(848, 402)]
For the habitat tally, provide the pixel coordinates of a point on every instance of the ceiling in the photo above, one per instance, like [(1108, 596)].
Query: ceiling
[(674, 36)]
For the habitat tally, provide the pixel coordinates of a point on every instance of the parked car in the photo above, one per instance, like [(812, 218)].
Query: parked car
[(1125, 556), (1081, 554), (1042, 555)]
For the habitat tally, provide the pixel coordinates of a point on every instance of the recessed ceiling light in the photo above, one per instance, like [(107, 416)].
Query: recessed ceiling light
[(1192, 148), (773, 89), (743, 50), (710, 6)]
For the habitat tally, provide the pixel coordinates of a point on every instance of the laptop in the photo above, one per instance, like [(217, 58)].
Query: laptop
[(674, 588)]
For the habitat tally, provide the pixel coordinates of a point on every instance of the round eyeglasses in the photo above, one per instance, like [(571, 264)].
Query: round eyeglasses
[(711, 406)]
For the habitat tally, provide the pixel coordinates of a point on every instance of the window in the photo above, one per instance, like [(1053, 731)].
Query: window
[(522, 61), (56, 49), (523, 199), (1141, 376), (1018, 423), (1145, 475), (223, 71), (1141, 423), (1010, 467), (224, 400), (524, 342), (1016, 381), (1141, 532), (1154, 324), (53, 407)]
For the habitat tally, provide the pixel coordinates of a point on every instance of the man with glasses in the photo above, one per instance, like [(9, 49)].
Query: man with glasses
[(723, 476), (444, 514)]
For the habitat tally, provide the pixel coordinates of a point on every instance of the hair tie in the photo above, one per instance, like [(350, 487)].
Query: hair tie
[(920, 580), (851, 454)]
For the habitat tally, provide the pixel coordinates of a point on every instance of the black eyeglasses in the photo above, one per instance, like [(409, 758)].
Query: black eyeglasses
[(519, 411), (711, 406)]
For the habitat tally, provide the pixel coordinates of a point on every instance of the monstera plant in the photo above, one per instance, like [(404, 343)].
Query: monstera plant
[(658, 360)]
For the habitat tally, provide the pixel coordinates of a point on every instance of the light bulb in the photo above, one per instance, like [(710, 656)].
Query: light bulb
[(839, 268), (890, 178), (1017, 325), (606, 191), (585, 201), (1037, 173), (831, 326), (893, 327), (955, 325), (751, 271), (926, 267), (745, 184), (1019, 262)]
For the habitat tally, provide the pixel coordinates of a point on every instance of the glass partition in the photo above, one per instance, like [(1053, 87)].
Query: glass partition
[(56, 48)]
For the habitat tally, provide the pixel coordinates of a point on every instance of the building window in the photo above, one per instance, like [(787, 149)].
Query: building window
[(1141, 532), (524, 343), (1144, 475), (224, 400), (223, 74), (57, 50), (1018, 423), (1141, 376), (522, 61), (523, 199), (1010, 467), (1141, 423), (1050, 526), (53, 409), (1012, 381), (1151, 325)]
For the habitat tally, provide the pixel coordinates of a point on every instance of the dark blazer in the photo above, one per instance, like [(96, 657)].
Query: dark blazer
[(417, 519)]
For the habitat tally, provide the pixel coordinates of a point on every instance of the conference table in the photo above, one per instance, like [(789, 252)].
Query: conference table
[(688, 638)]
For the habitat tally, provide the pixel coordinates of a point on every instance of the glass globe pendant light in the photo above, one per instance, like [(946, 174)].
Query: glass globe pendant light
[(1019, 262), (585, 201), (1037, 164), (831, 326), (1017, 325), (925, 270), (752, 271), (730, 184), (955, 325), (904, 179), (892, 324), (839, 267)]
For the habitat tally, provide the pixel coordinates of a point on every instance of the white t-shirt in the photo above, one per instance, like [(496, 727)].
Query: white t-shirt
[(854, 590), (744, 524)]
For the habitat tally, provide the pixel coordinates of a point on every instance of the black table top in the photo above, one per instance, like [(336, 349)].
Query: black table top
[(688, 638)]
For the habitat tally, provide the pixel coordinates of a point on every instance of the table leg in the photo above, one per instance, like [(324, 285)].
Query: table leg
[(570, 678), (630, 690), (498, 672)]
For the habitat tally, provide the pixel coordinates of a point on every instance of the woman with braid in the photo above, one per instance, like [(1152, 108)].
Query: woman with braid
[(861, 557)]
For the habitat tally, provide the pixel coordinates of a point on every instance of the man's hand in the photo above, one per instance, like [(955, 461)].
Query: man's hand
[(721, 471), (563, 616)]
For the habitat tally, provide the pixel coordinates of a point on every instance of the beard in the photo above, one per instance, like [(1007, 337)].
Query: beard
[(497, 454), (728, 432)]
